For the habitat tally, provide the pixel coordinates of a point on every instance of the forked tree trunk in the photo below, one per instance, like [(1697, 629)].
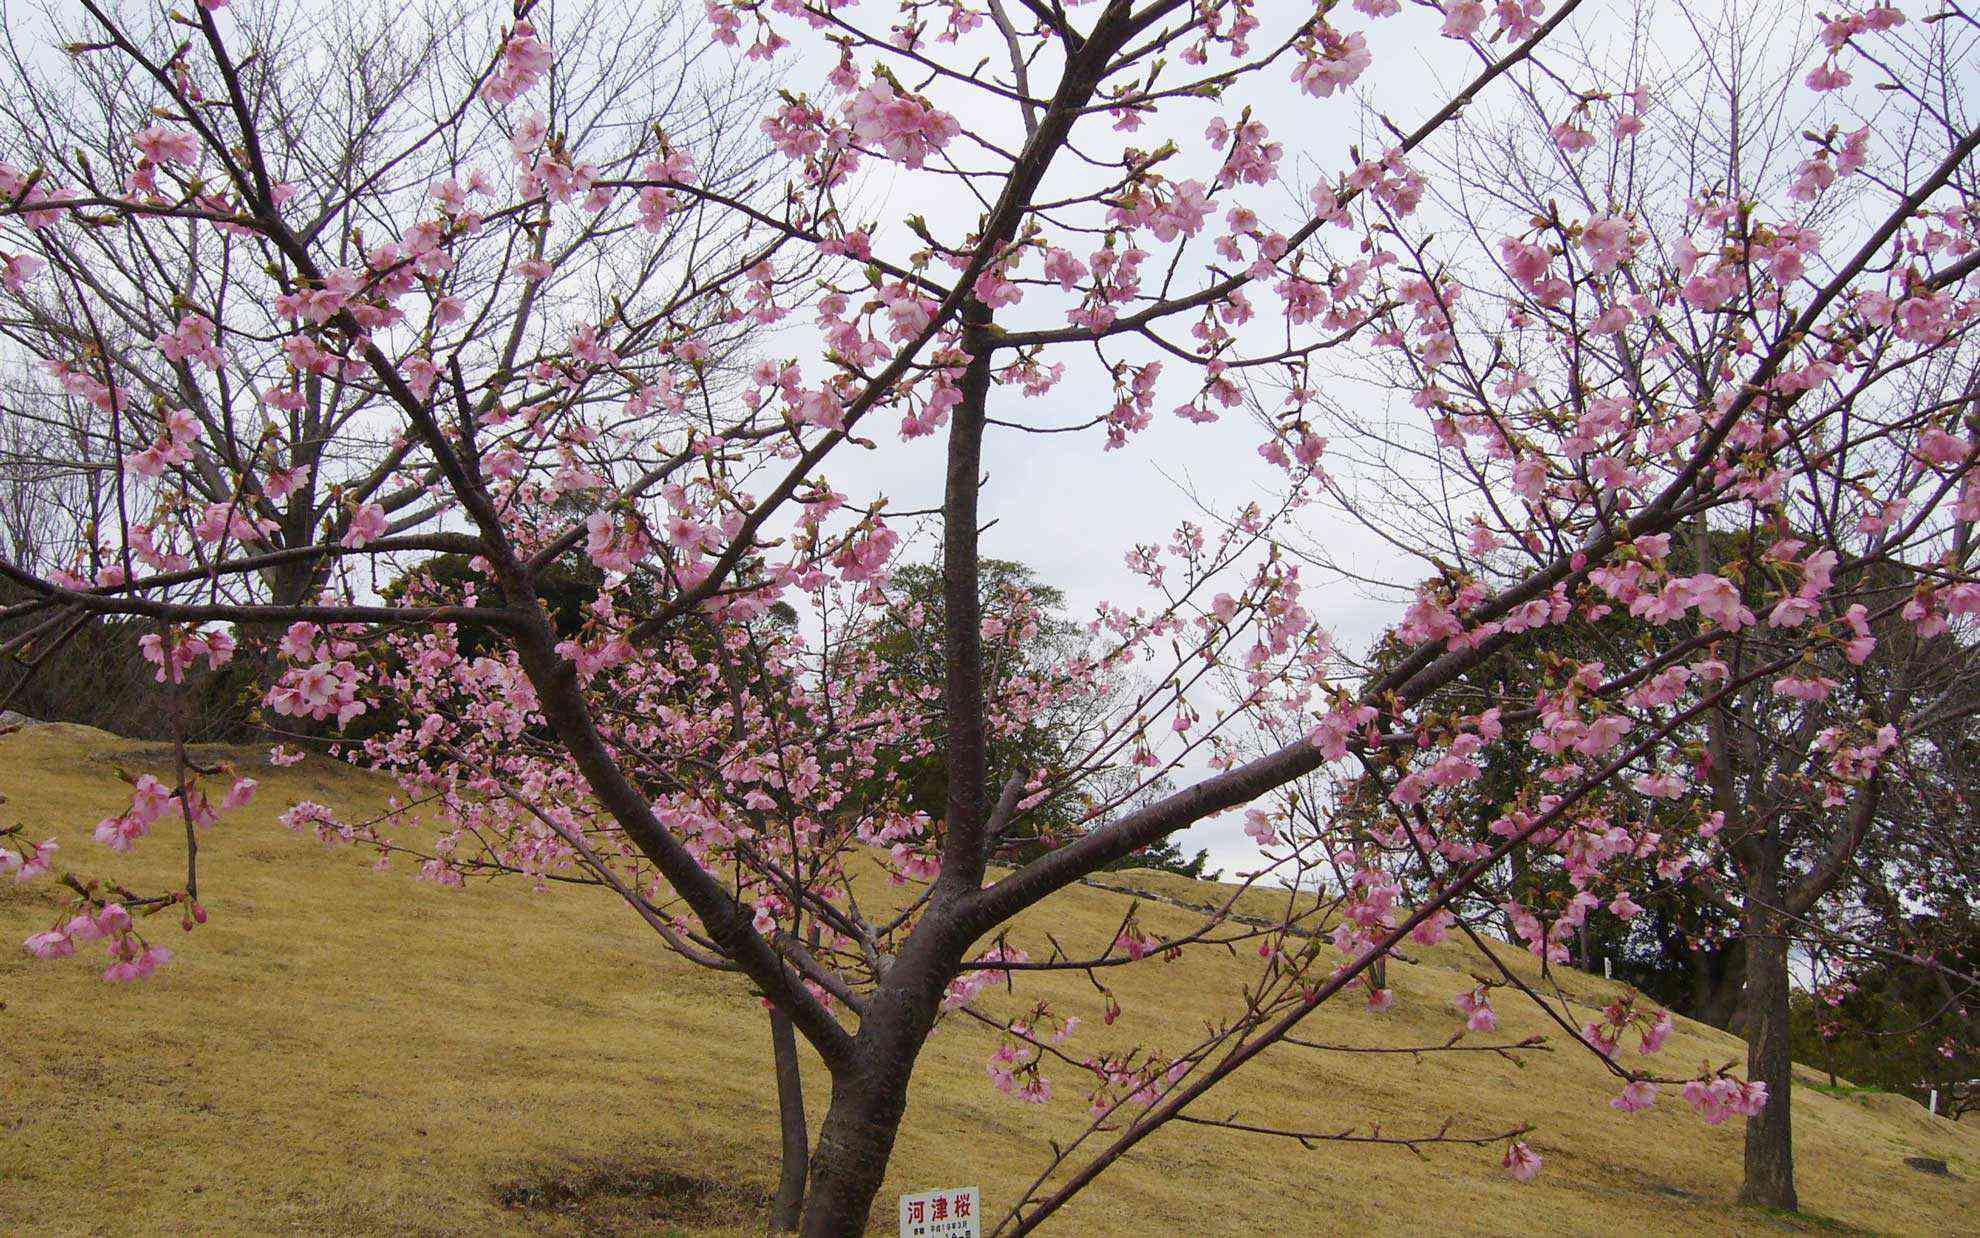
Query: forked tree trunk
[(869, 1093), (854, 1145), (1769, 1134), (788, 1204)]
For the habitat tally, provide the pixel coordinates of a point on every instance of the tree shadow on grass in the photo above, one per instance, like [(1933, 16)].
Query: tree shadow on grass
[(626, 1199)]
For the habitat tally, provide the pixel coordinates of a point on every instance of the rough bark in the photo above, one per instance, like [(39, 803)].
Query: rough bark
[(1769, 1134), (854, 1145)]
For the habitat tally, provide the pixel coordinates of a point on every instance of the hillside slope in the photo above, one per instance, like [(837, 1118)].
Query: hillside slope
[(342, 1051)]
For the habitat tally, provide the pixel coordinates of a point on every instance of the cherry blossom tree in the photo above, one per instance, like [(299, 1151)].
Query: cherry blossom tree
[(780, 759), (1832, 761), (712, 759)]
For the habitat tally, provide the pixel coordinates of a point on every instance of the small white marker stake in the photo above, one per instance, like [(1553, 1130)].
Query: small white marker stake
[(954, 1213), (1933, 1108), (1608, 968)]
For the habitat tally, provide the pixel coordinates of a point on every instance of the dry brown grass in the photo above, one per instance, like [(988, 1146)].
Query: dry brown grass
[(339, 1051)]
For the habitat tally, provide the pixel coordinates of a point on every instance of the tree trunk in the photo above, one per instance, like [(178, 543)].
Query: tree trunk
[(1716, 978), (787, 1206), (854, 1144), (1769, 1134), (869, 1093)]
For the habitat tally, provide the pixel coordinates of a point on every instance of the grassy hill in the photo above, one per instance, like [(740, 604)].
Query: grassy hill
[(342, 1051)]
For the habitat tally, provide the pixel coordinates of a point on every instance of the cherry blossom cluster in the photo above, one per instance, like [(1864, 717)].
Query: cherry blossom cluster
[(111, 915)]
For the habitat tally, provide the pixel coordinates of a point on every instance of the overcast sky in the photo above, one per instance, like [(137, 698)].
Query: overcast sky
[(1068, 507)]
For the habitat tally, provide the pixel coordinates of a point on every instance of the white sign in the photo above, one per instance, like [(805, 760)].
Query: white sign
[(954, 1213)]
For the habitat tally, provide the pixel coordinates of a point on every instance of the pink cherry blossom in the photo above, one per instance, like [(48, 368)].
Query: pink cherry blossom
[(1521, 1161), (17, 270), (905, 128), (164, 144), (50, 945), (1637, 1095), (368, 524)]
